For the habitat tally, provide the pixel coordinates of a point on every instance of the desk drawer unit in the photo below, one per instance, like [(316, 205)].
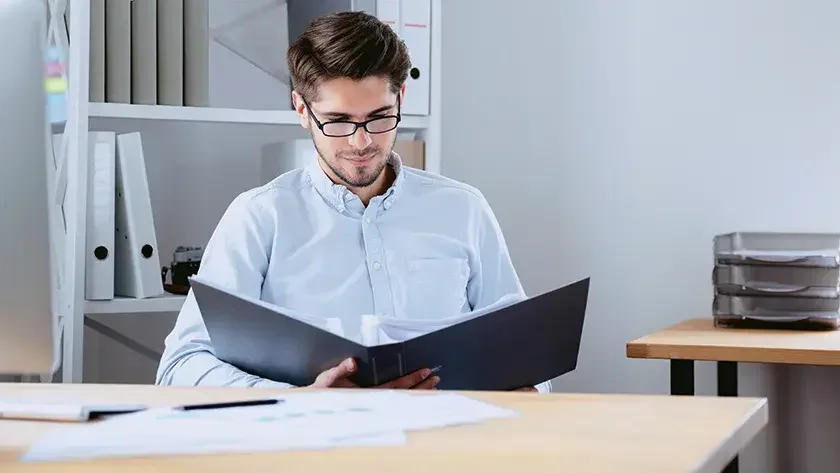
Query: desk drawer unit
[(742, 310), (790, 280), (816, 250), (768, 280)]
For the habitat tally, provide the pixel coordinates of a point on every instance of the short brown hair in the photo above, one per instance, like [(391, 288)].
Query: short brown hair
[(352, 45)]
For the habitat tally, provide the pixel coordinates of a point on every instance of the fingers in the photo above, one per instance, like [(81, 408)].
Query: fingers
[(530, 389), (336, 376), (345, 369), (344, 383), (408, 381), (428, 383)]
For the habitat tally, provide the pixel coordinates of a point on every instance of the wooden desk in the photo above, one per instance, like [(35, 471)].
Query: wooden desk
[(699, 340), (570, 432)]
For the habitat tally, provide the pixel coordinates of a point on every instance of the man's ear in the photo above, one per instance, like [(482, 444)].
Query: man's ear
[(402, 93), (300, 108)]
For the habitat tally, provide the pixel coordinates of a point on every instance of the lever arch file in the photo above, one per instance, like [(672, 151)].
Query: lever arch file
[(136, 260), (99, 240), (518, 345), (415, 29)]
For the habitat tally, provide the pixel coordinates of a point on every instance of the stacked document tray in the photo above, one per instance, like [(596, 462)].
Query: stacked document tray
[(777, 279)]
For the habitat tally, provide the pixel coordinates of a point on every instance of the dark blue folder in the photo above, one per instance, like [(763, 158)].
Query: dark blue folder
[(519, 345)]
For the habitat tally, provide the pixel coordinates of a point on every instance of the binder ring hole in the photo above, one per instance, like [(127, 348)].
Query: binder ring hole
[(415, 73), (100, 253), (147, 251)]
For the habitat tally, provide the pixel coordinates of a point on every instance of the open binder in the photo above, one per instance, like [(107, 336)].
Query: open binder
[(518, 345)]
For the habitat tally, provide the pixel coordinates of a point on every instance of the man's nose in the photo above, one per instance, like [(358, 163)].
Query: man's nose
[(360, 139)]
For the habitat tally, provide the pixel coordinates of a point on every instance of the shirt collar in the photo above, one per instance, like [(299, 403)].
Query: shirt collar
[(339, 195)]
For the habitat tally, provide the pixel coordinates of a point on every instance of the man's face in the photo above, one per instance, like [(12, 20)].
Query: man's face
[(356, 160)]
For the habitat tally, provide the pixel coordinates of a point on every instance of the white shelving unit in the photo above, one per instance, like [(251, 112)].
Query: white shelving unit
[(125, 305), (217, 115), (72, 306)]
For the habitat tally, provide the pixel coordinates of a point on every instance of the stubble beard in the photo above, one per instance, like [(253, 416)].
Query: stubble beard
[(361, 180)]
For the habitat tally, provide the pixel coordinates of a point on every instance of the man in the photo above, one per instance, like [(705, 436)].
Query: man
[(355, 232)]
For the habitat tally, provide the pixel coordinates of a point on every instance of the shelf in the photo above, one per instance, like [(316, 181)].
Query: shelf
[(127, 305), (214, 115)]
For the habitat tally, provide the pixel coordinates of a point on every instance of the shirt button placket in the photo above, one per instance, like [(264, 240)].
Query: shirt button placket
[(380, 283)]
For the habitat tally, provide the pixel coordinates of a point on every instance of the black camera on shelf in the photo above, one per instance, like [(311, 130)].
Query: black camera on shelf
[(185, 263)]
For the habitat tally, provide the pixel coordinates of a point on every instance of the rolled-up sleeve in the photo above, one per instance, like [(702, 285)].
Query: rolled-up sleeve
[(236, 257)]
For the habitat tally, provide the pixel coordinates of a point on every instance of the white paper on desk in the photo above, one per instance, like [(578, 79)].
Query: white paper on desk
[(305, 421), (389, 411), (429, 411), (33, 408)]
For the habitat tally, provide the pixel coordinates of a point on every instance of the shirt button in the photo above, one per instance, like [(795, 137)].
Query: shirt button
[(367, 219), (376, 265), (387, 204)]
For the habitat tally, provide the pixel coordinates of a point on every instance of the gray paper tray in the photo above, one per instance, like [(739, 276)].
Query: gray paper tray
[(789, 249), (768, 280), (728, 310)]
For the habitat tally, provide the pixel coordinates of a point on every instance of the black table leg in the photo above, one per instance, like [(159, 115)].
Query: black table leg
[(682, 384), (682, 377), (727, 386)]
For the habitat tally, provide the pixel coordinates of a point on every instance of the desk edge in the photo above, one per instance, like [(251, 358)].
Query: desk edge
[(743, 354), (741, 436)]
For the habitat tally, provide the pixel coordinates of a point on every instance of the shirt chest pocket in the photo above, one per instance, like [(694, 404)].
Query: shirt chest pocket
[(435, 288)]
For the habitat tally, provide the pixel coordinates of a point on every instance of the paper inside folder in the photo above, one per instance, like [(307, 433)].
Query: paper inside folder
[(380, 330)]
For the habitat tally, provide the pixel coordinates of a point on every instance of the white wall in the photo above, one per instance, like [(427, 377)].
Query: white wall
[(613, 139)]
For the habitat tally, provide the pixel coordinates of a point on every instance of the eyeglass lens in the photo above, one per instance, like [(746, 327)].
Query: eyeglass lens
[(378, 125)]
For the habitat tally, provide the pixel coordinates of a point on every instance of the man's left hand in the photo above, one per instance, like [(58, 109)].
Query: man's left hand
[(529, 389)]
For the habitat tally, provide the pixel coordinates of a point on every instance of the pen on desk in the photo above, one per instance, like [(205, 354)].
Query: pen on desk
[(223, 405)]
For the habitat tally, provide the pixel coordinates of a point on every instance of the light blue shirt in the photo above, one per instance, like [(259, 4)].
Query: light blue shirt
[(428, 248)]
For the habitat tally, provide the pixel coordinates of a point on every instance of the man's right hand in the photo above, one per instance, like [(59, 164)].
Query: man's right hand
[(336, 377)]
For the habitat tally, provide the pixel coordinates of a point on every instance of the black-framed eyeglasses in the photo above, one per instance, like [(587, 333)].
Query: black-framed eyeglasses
[(340, 128)]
